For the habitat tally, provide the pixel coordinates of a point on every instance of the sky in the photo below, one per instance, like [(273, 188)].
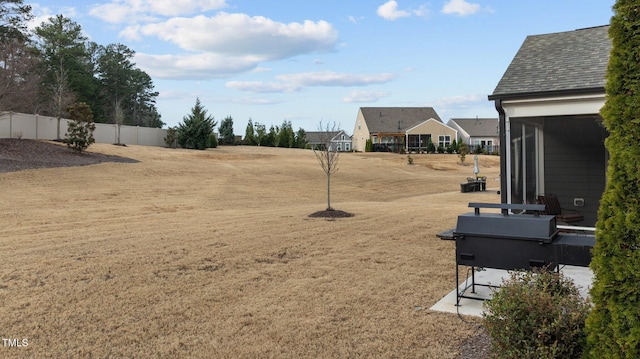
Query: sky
[(318, 62)]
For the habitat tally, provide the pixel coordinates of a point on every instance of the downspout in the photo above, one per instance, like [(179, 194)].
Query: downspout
[(503, 150)]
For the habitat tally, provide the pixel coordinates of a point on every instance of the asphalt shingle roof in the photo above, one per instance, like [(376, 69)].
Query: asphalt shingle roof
[(478, 127), (396, 119), (572, 61), (317, 136)]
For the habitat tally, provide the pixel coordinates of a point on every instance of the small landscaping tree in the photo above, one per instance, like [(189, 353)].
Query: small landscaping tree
[(170, 139), (463, 151), (327, 155), (196, 129), (613, 328), (431, 148), (79, 134), (368, 146)]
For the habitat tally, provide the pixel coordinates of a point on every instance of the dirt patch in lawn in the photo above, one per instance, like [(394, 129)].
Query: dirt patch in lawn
[(212, 253)]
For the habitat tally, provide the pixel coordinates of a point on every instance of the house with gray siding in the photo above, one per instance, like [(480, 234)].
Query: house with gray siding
[(477, 132), (339, 140), (548, 102)]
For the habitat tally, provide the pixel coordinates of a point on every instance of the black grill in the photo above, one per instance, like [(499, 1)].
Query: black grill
[(516, 241)]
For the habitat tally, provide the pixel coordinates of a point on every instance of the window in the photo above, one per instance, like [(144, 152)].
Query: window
[(444, 141)]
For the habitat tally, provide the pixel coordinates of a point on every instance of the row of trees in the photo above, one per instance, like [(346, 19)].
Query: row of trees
[(196, 131), (46, 70), (277, 136)]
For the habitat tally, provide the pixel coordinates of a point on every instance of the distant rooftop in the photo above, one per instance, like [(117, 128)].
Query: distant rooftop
[(478, 127), (396, 119)]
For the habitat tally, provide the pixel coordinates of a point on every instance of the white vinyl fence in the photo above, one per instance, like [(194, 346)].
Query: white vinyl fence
[(37, 127)]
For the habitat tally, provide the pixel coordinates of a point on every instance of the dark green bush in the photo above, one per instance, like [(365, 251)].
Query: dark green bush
[(431, 148), (537, 315), (79, 134), (368, 146)]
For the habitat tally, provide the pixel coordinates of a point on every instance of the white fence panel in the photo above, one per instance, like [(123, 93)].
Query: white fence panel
[(105, 133), (36, 127)]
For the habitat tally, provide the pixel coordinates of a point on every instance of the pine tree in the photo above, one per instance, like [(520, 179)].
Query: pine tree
[(613, 327), (249, 134), (301, 138), (227, 137), (196, 129)]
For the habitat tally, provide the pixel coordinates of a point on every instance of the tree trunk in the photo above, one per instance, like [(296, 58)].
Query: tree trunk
[(328, 192)]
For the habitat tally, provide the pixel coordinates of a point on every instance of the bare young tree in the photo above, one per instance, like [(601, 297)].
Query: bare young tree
[(118, 118), (327, 154), (61, 97)]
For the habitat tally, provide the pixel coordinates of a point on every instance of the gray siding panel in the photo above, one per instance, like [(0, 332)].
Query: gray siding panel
[(575, 163)]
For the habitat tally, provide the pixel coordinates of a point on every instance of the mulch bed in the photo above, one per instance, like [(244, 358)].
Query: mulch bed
[(331, 213), (18, 155)]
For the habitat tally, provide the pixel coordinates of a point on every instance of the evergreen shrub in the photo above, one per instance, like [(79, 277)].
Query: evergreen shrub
[(536, 314), (79, 134)]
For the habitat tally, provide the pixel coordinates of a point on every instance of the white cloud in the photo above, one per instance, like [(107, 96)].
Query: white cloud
[(226, 44), (389, 11), (460, 7), (364, 96), (240, 34), (296, 82), (198, 66), (461, 100), (329, 78), (118, 11), (262, 87)]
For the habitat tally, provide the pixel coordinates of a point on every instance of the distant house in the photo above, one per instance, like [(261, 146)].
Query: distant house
[(548, 102), (340, 140), (396, 128), (474, 132)]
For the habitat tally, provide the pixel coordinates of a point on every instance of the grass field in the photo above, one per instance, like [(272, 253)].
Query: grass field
[(211, 254)]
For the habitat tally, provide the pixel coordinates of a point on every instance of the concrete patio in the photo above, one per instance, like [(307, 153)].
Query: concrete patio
[(581, 276)]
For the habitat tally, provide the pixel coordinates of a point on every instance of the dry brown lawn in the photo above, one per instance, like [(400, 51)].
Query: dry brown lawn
[(211, 254)]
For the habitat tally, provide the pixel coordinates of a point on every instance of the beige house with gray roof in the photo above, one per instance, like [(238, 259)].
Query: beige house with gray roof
[(395, 128)]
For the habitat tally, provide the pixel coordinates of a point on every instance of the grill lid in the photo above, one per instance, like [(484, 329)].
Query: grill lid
[(532, 227)]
